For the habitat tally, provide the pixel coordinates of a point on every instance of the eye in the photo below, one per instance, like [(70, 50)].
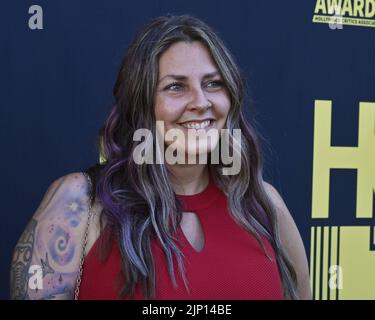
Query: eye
[(175, 86), (215, 84)]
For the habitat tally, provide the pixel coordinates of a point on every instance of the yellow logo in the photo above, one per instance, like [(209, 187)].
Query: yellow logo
[(337, 13), (342, 258)]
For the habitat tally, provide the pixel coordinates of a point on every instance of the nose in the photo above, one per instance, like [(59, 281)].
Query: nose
[(199, 100)]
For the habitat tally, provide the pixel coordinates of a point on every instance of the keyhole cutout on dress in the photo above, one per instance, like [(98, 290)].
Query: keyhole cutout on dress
[(193, 231)]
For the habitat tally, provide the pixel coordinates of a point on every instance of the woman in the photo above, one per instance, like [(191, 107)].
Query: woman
[(167, 230)]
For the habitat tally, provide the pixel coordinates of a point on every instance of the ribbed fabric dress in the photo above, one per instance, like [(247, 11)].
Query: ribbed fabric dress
[(231, 265)]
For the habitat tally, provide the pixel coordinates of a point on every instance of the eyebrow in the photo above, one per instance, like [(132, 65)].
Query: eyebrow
[(182, 77)]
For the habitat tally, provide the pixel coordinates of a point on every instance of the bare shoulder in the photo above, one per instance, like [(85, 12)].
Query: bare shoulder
[(276, 198), (68, 186), (285, 219), (51, 242), (291, 240)]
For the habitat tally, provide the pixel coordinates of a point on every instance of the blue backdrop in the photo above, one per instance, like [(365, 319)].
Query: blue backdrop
[(56, 91)]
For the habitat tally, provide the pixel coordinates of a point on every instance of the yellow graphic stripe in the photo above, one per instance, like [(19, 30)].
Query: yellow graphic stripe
[(334, 247), (317, 263), (312, 260), (325, 263)]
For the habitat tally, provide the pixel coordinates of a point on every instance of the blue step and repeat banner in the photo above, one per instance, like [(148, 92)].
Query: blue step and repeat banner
[(309, 67)]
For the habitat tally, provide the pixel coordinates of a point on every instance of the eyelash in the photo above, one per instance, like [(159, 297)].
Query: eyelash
[(217, 82)]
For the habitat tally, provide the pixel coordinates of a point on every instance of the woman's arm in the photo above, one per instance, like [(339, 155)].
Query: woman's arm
[(292, 242), (46, 258)]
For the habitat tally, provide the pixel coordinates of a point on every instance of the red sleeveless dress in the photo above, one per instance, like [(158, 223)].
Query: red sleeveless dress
[(231, 265)]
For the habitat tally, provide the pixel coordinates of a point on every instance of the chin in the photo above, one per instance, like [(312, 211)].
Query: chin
[(201, 149)]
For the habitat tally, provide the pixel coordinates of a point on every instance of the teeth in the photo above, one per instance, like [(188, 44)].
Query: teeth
[(197, 125)]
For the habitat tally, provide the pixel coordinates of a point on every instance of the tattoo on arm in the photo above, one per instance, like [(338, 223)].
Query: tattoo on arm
[(21, 263), (52, 241)]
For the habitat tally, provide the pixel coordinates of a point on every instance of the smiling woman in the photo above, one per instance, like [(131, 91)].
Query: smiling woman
[(155, 230)]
